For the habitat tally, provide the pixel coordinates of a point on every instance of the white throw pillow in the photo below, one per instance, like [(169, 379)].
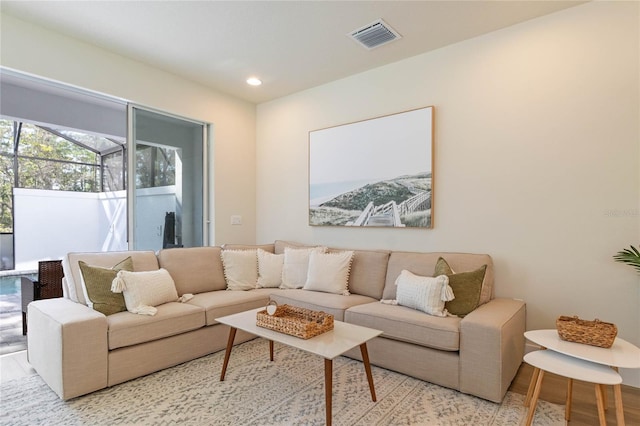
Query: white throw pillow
[(329, 272), (295, 266), (240, 269), (143, 291), (426, 294), (269, 269)]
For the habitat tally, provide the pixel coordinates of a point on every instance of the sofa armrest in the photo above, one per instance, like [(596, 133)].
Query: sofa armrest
[(491, 348), (67, 346)]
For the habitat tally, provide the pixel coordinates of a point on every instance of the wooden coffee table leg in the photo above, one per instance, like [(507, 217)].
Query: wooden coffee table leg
[(232, 336), (367, 368), (271, 350), (328, 388)]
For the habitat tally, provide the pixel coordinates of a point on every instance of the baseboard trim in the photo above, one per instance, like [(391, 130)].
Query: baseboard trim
[(530, 347)]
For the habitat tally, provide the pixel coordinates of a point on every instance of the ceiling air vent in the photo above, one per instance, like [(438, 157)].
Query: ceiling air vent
[(374, 34)]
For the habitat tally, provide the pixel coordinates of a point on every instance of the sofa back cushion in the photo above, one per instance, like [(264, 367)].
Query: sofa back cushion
[(265, 247), (142, 261), (368, 272), (194, 269), (424, 264), (279, 245), (368, 268)]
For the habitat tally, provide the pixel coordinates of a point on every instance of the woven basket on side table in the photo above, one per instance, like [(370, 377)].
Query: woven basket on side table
[(594, 333)]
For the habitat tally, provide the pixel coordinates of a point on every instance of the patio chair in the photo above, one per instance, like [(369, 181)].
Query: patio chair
[(48, 286)]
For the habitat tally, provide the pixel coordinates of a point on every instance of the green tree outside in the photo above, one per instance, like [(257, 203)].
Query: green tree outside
[(45, 161)]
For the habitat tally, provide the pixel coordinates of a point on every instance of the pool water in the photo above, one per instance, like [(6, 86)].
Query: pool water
[(10, 292), (10, 284)]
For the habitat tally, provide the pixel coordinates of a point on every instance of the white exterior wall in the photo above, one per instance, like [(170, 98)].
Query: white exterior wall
[(49, 224)]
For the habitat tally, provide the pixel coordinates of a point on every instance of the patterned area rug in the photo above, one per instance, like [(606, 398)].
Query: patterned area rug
[(288, 391)]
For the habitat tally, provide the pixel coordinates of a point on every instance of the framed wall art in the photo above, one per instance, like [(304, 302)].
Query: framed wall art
[(376, 172)]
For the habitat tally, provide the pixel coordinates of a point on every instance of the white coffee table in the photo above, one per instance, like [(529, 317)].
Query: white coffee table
[(328, 345), (587, 362)]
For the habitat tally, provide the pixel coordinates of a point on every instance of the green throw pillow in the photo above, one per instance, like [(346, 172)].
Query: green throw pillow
[(466, 287), (97, 281)]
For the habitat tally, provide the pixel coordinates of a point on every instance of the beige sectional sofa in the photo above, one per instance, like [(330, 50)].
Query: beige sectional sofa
[(77, 350)]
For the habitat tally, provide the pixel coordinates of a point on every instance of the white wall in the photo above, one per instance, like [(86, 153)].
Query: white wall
[(49, 224), (29, 48), (537, 159)]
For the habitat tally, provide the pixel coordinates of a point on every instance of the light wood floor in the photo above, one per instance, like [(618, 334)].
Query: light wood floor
[(14, 366), (584, 411)]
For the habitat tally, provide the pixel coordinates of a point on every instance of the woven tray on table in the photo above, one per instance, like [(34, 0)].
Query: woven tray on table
[(299, 322), (594, 333)]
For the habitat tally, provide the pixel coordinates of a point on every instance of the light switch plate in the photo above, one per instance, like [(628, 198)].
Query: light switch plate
[(236, 219)]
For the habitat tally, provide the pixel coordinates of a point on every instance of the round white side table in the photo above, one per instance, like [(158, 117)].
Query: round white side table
[(621, 354), (572, 368)]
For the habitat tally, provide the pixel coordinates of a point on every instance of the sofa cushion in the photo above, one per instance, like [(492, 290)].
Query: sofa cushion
[(296, 266), (466, 286), (269, 269), (329, 272), (143, 290), (217, 304), (240, 269), (265, 247), (97, 286), (368, 272), (127, 329), (334, 304), (142, 261), (368, 269), (425, 263), (194, 269), (426, 294), (408, 325), (279, 246)]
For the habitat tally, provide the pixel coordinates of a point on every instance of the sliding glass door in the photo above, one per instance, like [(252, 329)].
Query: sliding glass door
[(167, 182)]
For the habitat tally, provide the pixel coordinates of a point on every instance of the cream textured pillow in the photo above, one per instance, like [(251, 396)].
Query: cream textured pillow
[(269, 269), (295, 266), (426, 294), (144, 290), (240, 269), (329, 272)]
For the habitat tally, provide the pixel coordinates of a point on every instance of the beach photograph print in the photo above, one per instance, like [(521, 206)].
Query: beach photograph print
[(376, 172)]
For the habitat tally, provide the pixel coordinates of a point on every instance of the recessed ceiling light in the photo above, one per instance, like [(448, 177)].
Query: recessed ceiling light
[(254, 81)]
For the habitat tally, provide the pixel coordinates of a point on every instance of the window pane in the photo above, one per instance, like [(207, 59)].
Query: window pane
[(6, 136), (165, 170), (45, 174), (98, 143), (6, 193), (168, 172), (113, 173), (156, 166), (37, 142)]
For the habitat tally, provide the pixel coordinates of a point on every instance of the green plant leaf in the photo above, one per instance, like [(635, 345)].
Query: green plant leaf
[(630, 257)]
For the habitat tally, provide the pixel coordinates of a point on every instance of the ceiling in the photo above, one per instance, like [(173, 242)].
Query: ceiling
[(290, 45)]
